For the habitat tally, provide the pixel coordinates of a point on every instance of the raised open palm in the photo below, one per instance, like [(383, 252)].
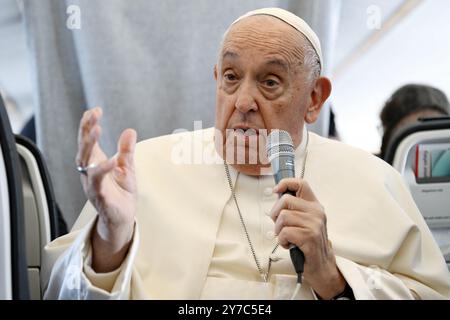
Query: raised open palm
[(109, 183)]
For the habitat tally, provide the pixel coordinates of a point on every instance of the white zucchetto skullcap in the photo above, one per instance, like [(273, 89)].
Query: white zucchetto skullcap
[(291, 19)]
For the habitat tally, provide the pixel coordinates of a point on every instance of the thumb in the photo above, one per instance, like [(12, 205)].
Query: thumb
[(126, 146), (306, 192), (300, 187)]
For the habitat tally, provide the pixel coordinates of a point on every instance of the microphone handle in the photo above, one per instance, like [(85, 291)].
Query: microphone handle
[(298, 260)]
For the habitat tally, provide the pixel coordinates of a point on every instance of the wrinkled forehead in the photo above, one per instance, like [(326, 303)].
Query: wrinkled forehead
[(263, 35)]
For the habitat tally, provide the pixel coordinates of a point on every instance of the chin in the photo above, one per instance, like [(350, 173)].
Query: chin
[(253, 169)]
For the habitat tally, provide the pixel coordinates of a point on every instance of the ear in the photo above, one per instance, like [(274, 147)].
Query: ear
[(319, 94), (215, 72)]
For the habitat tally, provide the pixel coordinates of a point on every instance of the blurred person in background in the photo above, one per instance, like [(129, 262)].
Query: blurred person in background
[(406, 106)]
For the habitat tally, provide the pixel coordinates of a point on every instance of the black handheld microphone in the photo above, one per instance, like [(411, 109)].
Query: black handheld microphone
[(280, 152)]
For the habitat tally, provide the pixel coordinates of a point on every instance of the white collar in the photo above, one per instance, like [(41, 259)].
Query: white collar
[(300, 151)]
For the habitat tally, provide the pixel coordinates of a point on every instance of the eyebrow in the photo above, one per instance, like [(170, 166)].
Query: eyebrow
[(273, 61), (278, 62), (230, 54)]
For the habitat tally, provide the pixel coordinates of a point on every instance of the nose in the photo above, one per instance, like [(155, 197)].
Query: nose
[(245, 101)]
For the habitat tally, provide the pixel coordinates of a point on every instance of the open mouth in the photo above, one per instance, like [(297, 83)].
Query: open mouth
[(248, 136), (245, 131)]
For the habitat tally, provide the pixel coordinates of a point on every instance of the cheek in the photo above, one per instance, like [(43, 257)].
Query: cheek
[(285, 113), (224, 108), (272, 114), (278, 108)]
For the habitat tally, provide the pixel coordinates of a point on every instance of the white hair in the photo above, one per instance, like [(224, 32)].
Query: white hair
[(311, 60)]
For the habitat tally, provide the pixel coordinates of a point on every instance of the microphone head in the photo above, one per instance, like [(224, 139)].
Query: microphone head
[(279, 142), (280, 152)]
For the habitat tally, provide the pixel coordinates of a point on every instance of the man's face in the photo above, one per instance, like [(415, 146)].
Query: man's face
[(261, 84)]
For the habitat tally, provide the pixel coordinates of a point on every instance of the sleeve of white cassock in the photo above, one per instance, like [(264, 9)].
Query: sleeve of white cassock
[(68, 259), (416, 271), (372, 282)]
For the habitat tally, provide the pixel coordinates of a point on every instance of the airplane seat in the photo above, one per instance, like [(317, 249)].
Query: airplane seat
[(421, 153), (13, 258), (41, 214), (29, 215), (5, 234)]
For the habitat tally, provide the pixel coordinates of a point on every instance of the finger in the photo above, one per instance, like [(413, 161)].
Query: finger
[(84, 129), (126, 146), (89, 119), (88, 134), (292, 235), (301, 187), (290, 202), (289, 218), (90, 151)]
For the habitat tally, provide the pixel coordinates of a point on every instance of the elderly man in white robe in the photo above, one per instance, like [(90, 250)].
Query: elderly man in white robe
[(157, 228)]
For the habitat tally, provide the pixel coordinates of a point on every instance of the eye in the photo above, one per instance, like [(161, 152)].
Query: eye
[(271, 83), (230, 76)]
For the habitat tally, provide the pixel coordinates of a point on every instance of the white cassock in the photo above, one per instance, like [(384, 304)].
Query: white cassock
[(189, 242)]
